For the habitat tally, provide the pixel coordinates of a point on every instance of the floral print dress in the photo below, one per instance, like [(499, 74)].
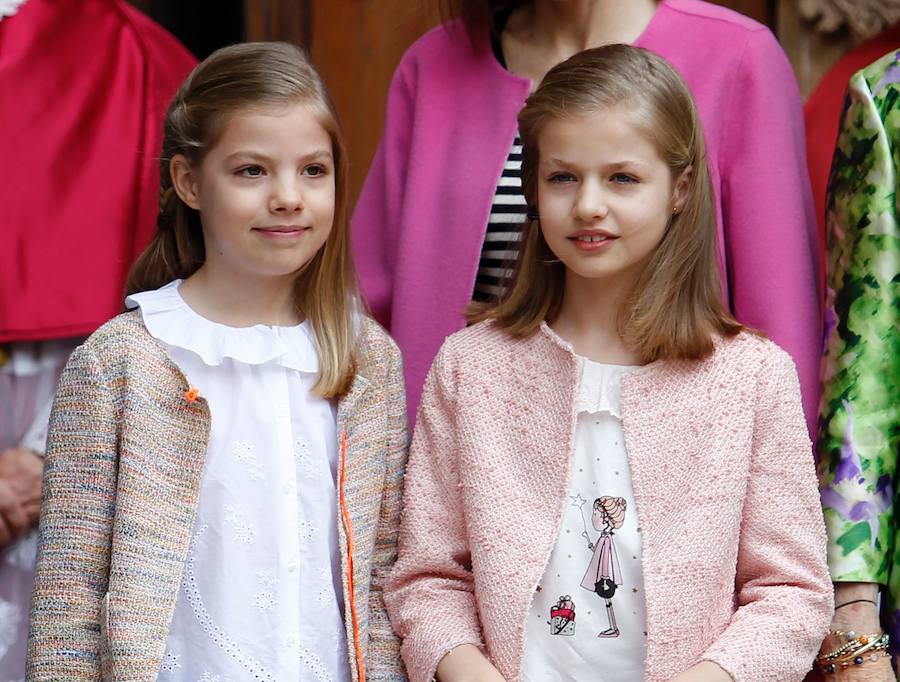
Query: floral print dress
[(859, 426)]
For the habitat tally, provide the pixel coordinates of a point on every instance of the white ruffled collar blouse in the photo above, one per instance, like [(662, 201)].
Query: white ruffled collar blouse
[(170, 319), (261, 596)]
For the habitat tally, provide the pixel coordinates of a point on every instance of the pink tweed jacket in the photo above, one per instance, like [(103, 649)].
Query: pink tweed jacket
[(733, 538)]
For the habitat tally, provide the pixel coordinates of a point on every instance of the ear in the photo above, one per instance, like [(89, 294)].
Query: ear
[(680, 191), (184, 180)]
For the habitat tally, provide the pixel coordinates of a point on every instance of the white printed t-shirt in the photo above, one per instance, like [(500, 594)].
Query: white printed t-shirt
[(587, 619)]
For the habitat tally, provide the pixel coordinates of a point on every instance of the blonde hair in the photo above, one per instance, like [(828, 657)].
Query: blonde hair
[(238, 78), (675, 309)]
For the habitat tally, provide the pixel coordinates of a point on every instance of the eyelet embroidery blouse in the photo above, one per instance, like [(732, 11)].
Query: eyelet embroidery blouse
[(261, 596)]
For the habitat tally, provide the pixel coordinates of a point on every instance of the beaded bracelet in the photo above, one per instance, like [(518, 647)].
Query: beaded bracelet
[(852, 652), (854, 643)]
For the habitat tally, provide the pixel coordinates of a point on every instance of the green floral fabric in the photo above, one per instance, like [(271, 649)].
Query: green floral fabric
[(859, 426)]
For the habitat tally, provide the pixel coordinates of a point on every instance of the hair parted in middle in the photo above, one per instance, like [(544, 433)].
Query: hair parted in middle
[(675, 310), (252, 77)]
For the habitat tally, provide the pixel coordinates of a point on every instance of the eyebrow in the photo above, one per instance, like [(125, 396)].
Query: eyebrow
[(318, 155), (616, 165)]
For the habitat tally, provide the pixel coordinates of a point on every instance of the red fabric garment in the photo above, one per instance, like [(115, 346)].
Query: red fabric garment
[(84, 85), (822, 115)]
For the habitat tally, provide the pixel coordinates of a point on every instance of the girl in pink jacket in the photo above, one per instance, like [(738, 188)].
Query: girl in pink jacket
[(608, 431), (432, 228)]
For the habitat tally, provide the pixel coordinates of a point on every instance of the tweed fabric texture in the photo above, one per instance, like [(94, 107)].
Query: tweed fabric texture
[(124, 462), (725, 488)]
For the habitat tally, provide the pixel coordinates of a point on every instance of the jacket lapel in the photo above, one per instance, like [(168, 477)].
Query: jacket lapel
[(672, 442), (163, 445), (362, 440)]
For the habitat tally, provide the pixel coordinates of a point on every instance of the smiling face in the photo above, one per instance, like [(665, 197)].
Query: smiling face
[(604, 194), (265, 192)]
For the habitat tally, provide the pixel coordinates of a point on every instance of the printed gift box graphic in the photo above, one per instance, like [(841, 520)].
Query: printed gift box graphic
[(562, 617)]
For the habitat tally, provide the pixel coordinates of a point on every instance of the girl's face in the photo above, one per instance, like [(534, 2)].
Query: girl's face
[(604, 194), (265, 192), (598, 519)]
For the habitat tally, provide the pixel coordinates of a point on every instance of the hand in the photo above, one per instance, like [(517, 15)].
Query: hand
[(705, 671), (862, 618), (20, 492), (466, 663)]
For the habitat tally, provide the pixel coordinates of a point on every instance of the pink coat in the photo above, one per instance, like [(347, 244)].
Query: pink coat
[(724, 484), (451, 117)]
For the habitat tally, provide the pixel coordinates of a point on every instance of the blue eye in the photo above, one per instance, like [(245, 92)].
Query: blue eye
[(315, 171), (624, 179), (561, 177), (251, 171)]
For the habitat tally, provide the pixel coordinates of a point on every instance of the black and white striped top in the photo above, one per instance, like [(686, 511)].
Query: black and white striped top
[(504, 229)]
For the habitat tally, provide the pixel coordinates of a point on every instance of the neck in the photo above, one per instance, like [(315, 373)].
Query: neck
[(241, 300), (544, 33), (588, 319), (576, 25)]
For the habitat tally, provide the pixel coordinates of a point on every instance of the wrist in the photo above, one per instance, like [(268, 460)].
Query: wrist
[(846, 592), (859, 617), (466, 663)]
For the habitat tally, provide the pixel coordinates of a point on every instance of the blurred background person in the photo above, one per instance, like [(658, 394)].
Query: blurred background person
[(83, 88), (859, 438)]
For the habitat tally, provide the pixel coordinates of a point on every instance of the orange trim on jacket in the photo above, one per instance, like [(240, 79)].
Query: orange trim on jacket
[(348, 529)]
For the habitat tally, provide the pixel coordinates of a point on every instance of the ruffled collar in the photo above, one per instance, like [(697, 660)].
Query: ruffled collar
[(170, 319), (600, 387), (600, 384)]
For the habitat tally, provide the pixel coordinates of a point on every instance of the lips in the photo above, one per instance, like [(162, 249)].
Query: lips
[(592, 236), (282, 230), (592, 241)]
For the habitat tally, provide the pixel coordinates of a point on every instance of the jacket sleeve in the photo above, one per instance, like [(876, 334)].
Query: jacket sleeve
[(430, 594), (771, 239), (384, 645), (782, 590), (377, 221), (75, 527), (859, 435)]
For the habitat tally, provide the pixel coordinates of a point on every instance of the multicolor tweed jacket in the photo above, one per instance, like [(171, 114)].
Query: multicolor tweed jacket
[(124, 463), (859, 426)]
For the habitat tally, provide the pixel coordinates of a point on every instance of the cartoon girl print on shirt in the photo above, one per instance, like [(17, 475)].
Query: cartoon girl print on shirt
[(603, 574)]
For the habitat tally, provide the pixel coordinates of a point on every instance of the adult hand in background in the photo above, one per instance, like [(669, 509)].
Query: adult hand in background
[(862, 618), (20, 492)]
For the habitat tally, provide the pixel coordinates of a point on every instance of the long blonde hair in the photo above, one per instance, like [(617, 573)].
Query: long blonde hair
[(675, 309), (235, 78)]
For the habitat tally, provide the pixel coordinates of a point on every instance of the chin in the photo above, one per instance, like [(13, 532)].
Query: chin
[(592, 272)]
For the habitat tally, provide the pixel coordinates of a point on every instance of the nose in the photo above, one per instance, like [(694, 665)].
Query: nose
[(286, 197), (591, 202)]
